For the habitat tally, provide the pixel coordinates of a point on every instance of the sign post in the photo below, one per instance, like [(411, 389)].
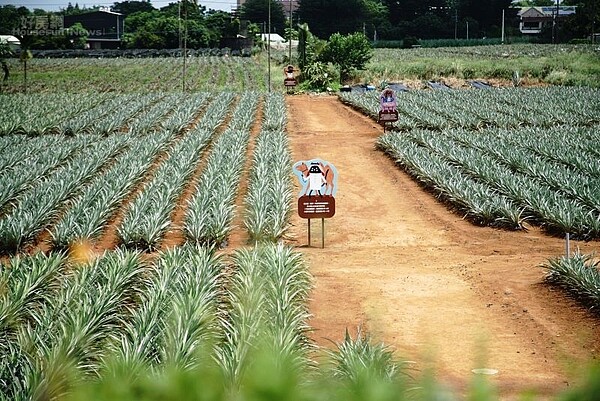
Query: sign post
[(290, 80), (316, 200), (388, 113)]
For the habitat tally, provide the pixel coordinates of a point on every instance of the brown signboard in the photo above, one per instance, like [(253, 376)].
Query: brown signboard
[(316, 206)]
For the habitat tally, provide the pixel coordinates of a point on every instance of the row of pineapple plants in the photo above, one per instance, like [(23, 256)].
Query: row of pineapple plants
[(84, 210), (211, 208), (579, 275), (138, 75), (506, 108), (25, 163), (89, 213), (118, 315), (176, 324), (500, 161), (268, 201), (39, 164), (148, 216), (68, 315), (69, 114), (497, 183), (36, 208), (475, 200), (36, 115), (266, 305)]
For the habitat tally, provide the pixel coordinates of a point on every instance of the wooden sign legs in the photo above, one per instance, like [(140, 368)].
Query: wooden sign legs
[(322, 233)]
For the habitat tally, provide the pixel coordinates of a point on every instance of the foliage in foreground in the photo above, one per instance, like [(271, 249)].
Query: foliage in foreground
[(274, 379)]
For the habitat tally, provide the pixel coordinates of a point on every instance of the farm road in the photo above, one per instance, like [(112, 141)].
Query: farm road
[(421, 279)]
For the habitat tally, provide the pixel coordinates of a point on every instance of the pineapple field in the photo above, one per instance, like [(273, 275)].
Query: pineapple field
[(146, 231)]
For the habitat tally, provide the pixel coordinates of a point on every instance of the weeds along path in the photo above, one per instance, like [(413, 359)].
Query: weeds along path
[(415, 275)]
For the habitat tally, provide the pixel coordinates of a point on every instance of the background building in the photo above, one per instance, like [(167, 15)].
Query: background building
[(104, 27), (534, 19)]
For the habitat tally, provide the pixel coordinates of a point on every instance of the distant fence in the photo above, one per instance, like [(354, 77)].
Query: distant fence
[(138, 53), (452, 42)]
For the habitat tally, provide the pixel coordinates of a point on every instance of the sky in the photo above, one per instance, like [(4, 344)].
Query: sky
[(56, 5)]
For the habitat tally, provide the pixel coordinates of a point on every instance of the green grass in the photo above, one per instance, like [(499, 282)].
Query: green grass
[(204, 74), (572, 65), (567, 65)]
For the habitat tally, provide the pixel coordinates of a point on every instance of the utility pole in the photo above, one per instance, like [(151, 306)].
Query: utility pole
[(555, 25), (502, 26), (269, 51), (185, 32), (290, 38), (557, 12), (455, 23)]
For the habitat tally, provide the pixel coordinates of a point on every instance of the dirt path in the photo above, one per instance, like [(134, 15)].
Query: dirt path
[(421, 279)]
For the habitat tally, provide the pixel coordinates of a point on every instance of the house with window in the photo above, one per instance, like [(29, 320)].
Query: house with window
[(534, 19)]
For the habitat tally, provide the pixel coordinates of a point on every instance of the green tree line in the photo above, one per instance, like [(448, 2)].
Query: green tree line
[(149, 27)]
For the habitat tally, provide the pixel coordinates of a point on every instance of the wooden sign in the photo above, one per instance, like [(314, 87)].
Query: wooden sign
[(316, 207)]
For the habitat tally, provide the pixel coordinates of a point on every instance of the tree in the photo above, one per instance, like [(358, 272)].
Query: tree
[(309, 46), (257, 11), (10, 18), (535, 3), (348, 52), (220, 24), (191, 8), (78, 35), (488, 13), (326, 17), (586, 20), (72, 10), (129, 7)]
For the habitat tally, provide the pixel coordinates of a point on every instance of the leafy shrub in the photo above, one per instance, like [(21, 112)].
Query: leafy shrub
[(320, 76), (348, 52), (409, 42)]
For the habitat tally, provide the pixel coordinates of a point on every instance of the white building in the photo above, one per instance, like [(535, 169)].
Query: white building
[(533, 19), (12, 41)]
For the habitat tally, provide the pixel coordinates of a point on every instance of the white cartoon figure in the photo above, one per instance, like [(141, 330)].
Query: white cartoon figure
[(315, 179)]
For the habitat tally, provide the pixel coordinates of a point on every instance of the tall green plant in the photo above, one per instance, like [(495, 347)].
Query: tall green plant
[(347, 52)]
